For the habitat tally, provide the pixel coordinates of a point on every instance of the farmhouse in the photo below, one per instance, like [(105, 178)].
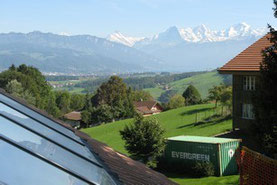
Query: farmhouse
[(147, 108), (245, 69), (50, 151)]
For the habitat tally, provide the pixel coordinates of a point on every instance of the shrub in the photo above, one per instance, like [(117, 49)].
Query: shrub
[(203, 169), (144, 139), (198, 169)]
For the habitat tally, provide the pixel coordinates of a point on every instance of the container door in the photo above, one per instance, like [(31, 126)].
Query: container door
[(228, 158)]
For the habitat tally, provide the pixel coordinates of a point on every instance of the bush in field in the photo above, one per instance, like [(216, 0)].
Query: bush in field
[(198, 169), (203, 169), (165, 96), (144, 139), (192, 96), (176, 101)]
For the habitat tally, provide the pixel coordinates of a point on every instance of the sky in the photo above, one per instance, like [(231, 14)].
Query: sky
[(131, 17)]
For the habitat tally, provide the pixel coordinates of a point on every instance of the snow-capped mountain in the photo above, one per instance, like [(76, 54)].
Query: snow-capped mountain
[(199, 34), (120, 38), (194, 48)]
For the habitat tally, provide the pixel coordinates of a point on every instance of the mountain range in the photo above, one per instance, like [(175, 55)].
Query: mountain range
[(72, 54), (175, 49), (198, 34), (198, 48)]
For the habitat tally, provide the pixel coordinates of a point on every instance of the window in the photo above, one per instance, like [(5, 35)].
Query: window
[(249, 83), (247, 111)]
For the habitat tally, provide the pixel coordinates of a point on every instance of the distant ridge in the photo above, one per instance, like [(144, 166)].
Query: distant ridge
[(72, 54), (174, 50)]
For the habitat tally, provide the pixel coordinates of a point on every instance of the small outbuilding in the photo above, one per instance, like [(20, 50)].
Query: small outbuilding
[(187, 150), (147, 108)]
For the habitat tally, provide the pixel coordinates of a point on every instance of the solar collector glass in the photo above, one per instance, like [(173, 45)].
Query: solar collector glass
[(21, 168), (39, 117), (53, 152), (45, 131)]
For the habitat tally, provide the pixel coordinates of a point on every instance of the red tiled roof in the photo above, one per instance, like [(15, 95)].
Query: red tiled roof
[(76, 116), (145, 107), (148, 104), (249, 59), (144, 110)]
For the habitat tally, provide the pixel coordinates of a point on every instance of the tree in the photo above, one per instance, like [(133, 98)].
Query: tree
[(77, 101), (226, 97), (176, 101), (115, 95), (63, 101), (144, 139), (31, 80), (86, 118), (215, 93), (165, 96), (12, 68), (140, 95), (88, 104), (51, 106), (102, 114), (192, 95), (265, 102), (15, 88)]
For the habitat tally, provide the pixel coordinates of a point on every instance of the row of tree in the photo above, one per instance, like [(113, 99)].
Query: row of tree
[(29, 84), (138, 82)]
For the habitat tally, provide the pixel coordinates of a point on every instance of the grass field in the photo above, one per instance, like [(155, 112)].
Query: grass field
[(183, 180), (203, 82), (176, 122), (155, 92)]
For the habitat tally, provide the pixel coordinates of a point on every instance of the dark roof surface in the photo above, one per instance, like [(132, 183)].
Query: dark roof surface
[(248, 60), (122, 168)]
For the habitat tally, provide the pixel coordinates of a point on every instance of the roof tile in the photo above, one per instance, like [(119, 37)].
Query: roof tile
[(249, 59)]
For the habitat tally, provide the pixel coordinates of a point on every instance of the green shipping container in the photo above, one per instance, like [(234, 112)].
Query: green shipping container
[(191, 149)]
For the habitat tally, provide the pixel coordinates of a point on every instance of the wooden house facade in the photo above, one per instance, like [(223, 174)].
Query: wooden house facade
[(245, 69)]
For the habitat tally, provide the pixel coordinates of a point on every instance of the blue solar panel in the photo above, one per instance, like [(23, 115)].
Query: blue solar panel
[(21, 168), (52, 152), (45, 131), (33, 114)]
